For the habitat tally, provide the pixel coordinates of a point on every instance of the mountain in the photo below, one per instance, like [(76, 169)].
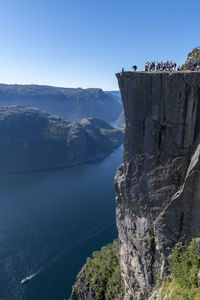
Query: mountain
[(121, 120), (116, 95), (158, 198), (33, 140), (69, 103)]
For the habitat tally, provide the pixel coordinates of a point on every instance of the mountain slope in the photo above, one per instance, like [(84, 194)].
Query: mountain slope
[(71, 104), (34, 140)]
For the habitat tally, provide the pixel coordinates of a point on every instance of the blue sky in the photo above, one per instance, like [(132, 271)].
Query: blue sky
[(83, 43)]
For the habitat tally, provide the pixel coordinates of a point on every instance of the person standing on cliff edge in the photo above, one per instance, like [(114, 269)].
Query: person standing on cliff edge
[(134, 68)]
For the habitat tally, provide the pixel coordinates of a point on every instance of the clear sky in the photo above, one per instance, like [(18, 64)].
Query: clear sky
[(83, 43)]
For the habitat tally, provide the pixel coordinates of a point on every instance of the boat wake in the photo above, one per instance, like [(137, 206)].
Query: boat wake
[(93, 232), (28, 278)]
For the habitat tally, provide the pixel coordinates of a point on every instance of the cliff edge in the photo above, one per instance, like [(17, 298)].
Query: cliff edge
[(158, 185)]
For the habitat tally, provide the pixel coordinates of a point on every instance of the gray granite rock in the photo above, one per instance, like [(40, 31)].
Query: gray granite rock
[(158, 185), (33, 140)]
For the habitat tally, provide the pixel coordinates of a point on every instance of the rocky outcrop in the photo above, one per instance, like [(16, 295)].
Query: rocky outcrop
[(193, 59), (34, 140), (71, 104), (158, 196)]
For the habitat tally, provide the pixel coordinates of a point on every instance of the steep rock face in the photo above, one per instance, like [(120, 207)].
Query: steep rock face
[(34, 140), (158, 199)]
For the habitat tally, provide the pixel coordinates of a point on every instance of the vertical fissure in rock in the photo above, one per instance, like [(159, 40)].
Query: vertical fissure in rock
[(161, 134), (159, 139), (181, 225), (197, 123), (187, 93), (153, 253), (143, 128), (179, 181), (161, 97)]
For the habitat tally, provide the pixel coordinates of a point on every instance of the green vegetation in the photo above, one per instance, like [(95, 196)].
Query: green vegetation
[(184, 266), (195, 52), (102, 274), (193, 59)]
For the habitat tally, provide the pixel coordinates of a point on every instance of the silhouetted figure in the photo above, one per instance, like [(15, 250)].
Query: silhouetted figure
[(160, 66), (134, 68), (174, 66)]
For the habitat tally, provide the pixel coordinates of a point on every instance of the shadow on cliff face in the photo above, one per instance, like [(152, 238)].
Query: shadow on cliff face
[(158, 185)]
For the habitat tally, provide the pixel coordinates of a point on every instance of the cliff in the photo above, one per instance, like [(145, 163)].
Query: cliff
[(69, 103), (158, 197), (33, 140)]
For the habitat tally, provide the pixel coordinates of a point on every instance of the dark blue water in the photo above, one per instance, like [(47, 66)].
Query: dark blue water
[(50, 222)]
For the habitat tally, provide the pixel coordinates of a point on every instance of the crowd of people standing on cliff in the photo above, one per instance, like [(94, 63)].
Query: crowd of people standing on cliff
[(197, 68), (167, 66), (160, 66)]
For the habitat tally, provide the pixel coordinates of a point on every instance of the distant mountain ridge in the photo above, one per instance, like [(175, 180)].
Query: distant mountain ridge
[(69, 103), (121, 120), (33, 140), (116, 95)]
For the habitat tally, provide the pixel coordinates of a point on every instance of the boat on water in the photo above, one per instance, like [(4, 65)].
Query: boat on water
[(27, 278)]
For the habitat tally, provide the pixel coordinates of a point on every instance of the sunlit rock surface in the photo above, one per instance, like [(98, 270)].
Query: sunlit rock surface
[(158, 185)]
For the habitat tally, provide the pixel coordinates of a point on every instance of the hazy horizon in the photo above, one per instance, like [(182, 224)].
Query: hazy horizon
[(56, 86)]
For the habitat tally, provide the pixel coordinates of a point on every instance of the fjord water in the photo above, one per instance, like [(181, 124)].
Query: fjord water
[(50, 222)]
